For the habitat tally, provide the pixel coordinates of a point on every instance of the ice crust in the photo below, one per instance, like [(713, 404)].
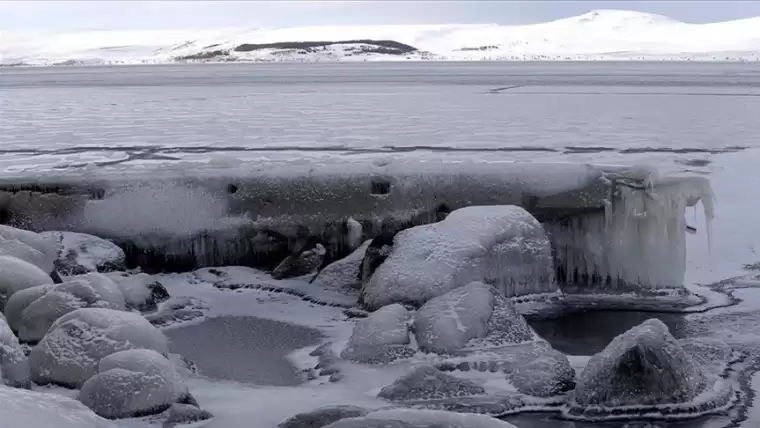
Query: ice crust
[(16, 275), (478, 243)]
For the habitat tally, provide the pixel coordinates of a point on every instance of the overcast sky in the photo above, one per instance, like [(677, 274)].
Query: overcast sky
[(29, 14)]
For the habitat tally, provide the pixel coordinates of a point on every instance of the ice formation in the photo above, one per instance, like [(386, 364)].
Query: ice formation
[(71, 350), (14, 367), (645, 372), (20, 250), (381, 337), (301, 263), (44, 246), (427, 383), (185, 414), (141, 291), (16, 275), (80, 253), (546, 375), (20, 300), (132, 383), (343, 274), (26, 409), (501, 245), (638, 240)]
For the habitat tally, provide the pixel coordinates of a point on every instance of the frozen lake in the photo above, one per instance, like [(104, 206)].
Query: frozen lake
[(59, 117)]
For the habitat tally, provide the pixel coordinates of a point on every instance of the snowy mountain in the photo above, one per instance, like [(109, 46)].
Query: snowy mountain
[(597, 35)]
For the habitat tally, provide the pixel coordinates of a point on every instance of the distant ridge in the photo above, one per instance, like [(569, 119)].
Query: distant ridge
[(596, 35)]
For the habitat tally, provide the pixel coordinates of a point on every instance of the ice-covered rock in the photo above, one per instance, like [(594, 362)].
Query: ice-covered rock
[(322, 417), (301, 263), (20, 300), (543, 376), (503, 246), (377, 252), (70, 352), (427, 383), (105, 288), (644, 367), (131, 383), (17, 275), (141, 291), (421, 419), (80, 253), (44, 255), (183, 414), (14, 366), (26, 409), (20, 250), (344, 274), (381, 337)]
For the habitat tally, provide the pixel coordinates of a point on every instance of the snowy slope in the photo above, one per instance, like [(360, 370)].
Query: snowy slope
[(602, 34)]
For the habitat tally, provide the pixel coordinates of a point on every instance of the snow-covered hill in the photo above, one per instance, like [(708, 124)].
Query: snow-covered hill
[(597, 35)]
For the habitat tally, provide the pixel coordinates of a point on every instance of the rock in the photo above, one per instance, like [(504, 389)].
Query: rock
[(80, 253), (20, 250), (377, 251), (381, 337), (428, 383), (44, 255), (38, 410), (70, 352), (20, 301), (181, 414), (446, 323), (344, 274), (322, 417), (422, 419), (61, 299), (644, 366), (141, 291), (132, 383), (506, 326), (14, 366), (545, 376), (301, 263), (502, 246), (105, 287), (17, 275)]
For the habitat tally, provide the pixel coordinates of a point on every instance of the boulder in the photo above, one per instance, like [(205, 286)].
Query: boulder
[(70, 352), (644, 366), (45, 254), (344, 274), (38, 410), (183, 414), (428, 383), (17, 275), (301, 263), (20, 300), (80, 253), (503, 246), (546, 375), (322, 417), (20, 250), (381, 337), (377, 251), (132, 383), (14, 366), (141, 291)]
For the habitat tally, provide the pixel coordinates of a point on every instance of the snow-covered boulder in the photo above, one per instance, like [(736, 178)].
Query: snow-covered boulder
[(80, 253), (14, 366), (183, 414), (141, 291), (644, 367), (447, 323), (131, 383), (301, 263), (381, 337), (44, 255), (322, 417), (70, 352), (546, 375), (344, 274), (421, 419), (503, 246), (428, 383), (26, 409), (20, 300), (17, 275), (106, 288)]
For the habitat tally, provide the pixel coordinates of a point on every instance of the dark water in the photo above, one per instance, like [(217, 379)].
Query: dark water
[(243, 349)]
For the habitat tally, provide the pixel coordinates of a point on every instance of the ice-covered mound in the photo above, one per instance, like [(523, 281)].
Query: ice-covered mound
[(299, 264), (131, 383), (322, 417), (546, 375), (14, 366), (70, 352), (79, 253), (184, 414), (44, 253), (141, 291), (412, 418), (63, 298), (645, 372), (381, 337), (448, 323), (500, 245), (344, 274), (17, 275), (426, 383), (27, 409), (20, 300)]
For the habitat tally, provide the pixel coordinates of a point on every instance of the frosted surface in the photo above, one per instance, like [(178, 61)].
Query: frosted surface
[(79, 253), (16, 275)]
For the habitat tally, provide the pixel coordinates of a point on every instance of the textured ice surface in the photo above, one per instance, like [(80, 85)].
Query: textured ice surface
[(322, 417), (132, 383), (79, 253), (37, 241), (426, 383), (546, 375), (16, 275), (14, 366), (645, 371), (381, 337), (27, 409), (70, 352), (141, 291), (344, 273), (488, 243), (447, 322), (20, 250)]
